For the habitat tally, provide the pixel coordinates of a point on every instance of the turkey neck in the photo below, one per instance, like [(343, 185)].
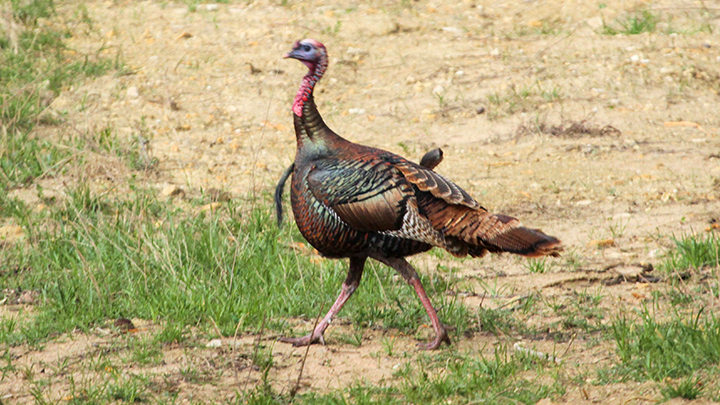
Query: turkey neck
[(314, 138)]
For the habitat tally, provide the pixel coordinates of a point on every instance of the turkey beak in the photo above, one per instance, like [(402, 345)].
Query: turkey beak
[(290, 54)]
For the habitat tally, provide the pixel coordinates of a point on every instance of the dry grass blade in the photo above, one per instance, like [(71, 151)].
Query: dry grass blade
[(296, 388)]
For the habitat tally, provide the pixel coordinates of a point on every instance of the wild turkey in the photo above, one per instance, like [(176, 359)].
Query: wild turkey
[(430, 160), (357, 202)]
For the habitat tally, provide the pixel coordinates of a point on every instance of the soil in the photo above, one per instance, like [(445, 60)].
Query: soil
[(609, 142)]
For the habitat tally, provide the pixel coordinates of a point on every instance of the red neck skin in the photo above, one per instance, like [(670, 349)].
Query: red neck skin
[(308, 84)]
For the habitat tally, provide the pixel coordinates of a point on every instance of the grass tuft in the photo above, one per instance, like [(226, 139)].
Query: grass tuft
[(537, 266), (687, 388), (675, 348), (525, 98), (644, 21), (694, 251)]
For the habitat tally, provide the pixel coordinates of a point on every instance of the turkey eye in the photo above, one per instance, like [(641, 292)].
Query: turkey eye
[(306, 48)]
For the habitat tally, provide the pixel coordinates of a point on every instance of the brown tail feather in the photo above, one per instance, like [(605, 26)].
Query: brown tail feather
[(527, 242), (484, 232)]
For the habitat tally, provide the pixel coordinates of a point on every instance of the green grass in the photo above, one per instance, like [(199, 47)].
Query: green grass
[(496, 321), (173, 332), (538, 266), (129, 389), (144, 352), (578, 312), (32, 71), (637, 23), (693, 251), (653, 349), (95, 259), (523, 99), (687, 388), (24, 158), (443, 378)]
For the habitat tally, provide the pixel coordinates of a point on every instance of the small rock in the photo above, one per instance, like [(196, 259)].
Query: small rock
[(214, 343), (357, 111), (124, 325), (495, 52), (480, 110), (356, 51), (132, 92), (459, 73), (209, 7), (635, 58), (172, 191), (454, 30), (602, 243), (595, 23)]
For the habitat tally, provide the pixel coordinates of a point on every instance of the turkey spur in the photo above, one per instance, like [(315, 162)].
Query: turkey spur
[(357, 202)]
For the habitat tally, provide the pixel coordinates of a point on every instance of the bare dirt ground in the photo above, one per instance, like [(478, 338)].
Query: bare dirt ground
[(210, 91)]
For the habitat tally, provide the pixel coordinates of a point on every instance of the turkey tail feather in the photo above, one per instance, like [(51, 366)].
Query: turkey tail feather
[(484, 232), (527, 242), (278, 194)]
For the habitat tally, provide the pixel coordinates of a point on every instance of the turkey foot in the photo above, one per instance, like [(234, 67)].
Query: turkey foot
[(306, 340), (410, 275), (351, 283), (440, 337)]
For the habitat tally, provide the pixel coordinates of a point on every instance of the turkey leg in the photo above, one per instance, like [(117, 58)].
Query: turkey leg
[(351, 283), (410, 275)]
